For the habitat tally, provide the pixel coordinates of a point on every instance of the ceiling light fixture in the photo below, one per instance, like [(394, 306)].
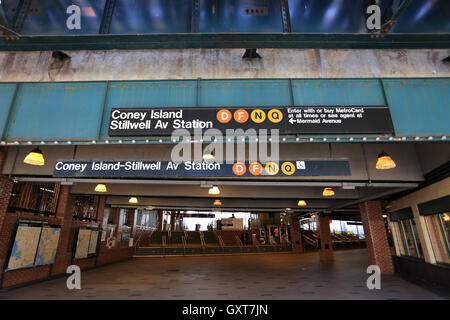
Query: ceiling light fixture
[(100, 188), (214, 190), (35, 158), (385, 162), (301, 203), (208, 155), (133, 200), (327, 192)]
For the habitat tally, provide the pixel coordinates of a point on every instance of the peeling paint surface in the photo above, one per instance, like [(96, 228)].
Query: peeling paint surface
[(223, 64)]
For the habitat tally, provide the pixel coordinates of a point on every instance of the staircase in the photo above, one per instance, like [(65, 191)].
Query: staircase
[(167, 251)]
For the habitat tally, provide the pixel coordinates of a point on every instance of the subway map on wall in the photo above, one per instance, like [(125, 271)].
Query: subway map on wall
[(84, 236), (48, 244), (93, 242), (24, 247)]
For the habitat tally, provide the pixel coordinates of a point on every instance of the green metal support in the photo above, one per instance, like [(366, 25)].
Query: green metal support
[(229, 40)]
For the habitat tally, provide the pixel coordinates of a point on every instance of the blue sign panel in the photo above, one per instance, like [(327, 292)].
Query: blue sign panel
[(166, 169), (300, 119)]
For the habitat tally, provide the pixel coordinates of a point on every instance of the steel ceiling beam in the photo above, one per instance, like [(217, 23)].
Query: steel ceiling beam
[(107, 16), (228, 40), (285, 16), (387, 26), (23, 7), (206, 183), (371, 197)]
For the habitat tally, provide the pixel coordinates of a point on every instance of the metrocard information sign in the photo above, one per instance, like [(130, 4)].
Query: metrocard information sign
[(289, 120), (169, 169)]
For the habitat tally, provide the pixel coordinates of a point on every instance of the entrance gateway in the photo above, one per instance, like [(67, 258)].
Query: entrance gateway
[(298, 186), (319, 191), (167, 136)]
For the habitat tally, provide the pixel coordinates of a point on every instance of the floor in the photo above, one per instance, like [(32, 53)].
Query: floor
[(258, 276)]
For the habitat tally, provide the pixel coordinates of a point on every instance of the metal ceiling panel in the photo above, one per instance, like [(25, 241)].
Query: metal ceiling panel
[(151, 16)]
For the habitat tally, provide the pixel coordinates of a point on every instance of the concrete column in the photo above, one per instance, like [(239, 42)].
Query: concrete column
[(296, 236), (160, 220), (326, 246), (376, 236)]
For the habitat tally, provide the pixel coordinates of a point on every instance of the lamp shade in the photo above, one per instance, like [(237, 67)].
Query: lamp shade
[(385, 162), (214, 190), (208, 156), (301, 203), (133, 200), (217, 202), (327, 192), (35, 158), (100, 188)]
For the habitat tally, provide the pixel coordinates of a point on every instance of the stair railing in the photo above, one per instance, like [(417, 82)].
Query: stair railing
[(238, 242), (136, 244), (183, 239), (221, 243), (202, 240), (255, 242), (216, 236), (308, 239)]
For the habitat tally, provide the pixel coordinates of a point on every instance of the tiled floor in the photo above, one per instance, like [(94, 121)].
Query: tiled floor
[(265, 276)]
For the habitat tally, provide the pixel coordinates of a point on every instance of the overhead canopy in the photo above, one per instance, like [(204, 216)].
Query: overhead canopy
[(280, 22), (175, 16), (79, 112)]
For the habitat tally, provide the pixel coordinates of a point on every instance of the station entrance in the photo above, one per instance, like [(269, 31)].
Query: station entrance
[(99, 220), (283, 180)]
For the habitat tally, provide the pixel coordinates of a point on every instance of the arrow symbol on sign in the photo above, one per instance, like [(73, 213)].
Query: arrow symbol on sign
[(292, 121)]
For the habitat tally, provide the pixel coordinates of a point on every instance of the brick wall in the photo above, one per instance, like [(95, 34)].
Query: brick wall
[(15, 277), (296, 236), (3, 151), (66, 245), (326, 246), (376, 237)]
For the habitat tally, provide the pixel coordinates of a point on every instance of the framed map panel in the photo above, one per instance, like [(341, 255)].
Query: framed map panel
[(93, 242), (82, 246), (23, 252), (48, 244)]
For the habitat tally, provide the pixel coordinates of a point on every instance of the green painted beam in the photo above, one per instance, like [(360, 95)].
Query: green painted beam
[(228, 40)]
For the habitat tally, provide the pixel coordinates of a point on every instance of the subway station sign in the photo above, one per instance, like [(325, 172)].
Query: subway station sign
[(289, 120), (167, 169)]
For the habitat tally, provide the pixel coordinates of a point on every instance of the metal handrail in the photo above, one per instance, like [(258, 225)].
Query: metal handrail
[(136, 244), (221, 243), (255, 242), (239, 242), (311, 241), (202, 239), (183, 239)]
